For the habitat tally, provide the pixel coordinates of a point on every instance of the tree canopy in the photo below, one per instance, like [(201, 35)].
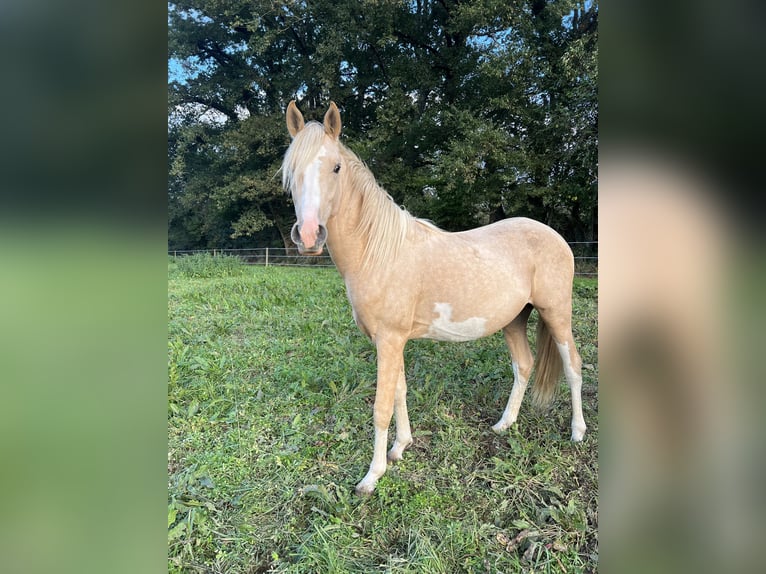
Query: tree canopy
[(465, 111)]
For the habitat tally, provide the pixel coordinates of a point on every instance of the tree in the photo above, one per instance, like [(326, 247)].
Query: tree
[(466, 112)]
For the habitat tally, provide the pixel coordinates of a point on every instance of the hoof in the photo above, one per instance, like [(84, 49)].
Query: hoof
[(393, 456), (367, 484), (578, 435), (397, 451), (499, 427), (364, 489)]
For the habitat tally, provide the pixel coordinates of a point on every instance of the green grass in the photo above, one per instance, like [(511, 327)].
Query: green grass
[(205, 266), (270, 427)]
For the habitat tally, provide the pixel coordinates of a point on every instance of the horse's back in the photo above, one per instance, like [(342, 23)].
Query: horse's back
[(519, 230), (519, 241), (534, 252)]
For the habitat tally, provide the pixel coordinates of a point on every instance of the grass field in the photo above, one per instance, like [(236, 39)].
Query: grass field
[(270, 427)]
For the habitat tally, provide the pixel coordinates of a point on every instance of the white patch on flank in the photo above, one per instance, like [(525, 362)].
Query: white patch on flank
[(444, 329)]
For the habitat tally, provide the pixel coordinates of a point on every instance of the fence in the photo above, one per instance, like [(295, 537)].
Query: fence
[(585, 255), (586, 258), (266, 256)]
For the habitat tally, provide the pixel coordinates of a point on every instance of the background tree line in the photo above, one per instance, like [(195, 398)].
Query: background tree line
[(466, 111)]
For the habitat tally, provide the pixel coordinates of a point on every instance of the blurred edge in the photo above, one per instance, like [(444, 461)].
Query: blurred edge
[(82, 294), (83, 287), (681, 278)]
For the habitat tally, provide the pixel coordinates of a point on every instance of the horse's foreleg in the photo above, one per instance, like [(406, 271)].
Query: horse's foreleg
[(403, 432), (390, 365)]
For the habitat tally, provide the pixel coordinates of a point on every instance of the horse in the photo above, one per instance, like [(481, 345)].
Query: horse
[(407, 279)]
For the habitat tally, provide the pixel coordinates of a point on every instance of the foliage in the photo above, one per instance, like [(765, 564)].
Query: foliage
[(465, 112), (270, 396)]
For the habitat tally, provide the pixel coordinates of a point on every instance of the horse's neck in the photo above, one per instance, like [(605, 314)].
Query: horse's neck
[(368, 228), (345, 245)]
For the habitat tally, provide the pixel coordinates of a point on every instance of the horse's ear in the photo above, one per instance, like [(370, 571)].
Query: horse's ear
[(332, 121), (294, 119)]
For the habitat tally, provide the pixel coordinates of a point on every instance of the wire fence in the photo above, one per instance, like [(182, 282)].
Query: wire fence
[(585, 255), (278, 256)]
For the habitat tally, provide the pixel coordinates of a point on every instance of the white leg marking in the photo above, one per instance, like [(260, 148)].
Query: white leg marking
[(511, 411), (403, 432), (378, 464), (574, 379)]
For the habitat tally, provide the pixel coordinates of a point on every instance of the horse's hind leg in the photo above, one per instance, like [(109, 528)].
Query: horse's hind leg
[(522, 361), (560, 327)]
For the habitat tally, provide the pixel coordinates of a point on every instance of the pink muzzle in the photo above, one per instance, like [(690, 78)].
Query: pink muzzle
[(309, 237)]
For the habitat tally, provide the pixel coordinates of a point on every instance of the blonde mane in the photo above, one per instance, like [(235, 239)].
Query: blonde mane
[(383, 225)]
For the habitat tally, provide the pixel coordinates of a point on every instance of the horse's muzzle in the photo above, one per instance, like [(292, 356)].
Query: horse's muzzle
[(316, 249)]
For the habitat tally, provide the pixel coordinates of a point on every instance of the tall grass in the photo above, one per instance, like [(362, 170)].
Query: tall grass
[(270, 397), (205, 265)]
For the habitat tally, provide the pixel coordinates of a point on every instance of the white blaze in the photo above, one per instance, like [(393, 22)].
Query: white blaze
[(443, 328), (308, 210)]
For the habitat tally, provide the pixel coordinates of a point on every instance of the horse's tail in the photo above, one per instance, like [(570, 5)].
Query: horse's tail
[(548, 367)]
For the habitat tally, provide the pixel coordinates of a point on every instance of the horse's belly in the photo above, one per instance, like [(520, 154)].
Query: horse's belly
[(443, 328)]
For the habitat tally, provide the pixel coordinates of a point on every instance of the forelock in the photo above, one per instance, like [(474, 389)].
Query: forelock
[(302, 151)]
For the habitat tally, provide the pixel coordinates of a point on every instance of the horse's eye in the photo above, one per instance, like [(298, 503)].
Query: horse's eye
[(336, 169)]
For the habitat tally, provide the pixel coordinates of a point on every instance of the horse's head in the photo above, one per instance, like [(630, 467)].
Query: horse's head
[(311, 172)]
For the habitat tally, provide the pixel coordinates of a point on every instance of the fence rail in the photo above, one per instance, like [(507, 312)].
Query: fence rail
[(265, 256), (585, 255)]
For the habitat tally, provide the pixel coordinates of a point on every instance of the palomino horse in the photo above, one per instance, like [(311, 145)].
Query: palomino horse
[(407, 279)]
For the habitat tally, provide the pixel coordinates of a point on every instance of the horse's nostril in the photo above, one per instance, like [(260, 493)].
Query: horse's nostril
[(295, 234), (322, 235), (321, 238)]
